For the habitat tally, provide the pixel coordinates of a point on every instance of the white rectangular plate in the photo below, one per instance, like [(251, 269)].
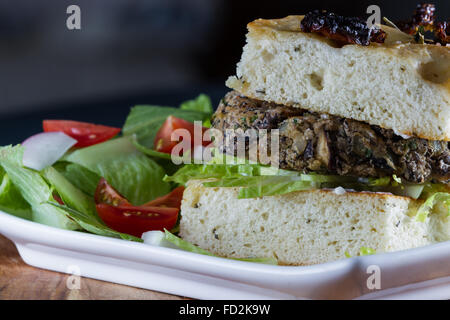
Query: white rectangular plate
[(422, 273)]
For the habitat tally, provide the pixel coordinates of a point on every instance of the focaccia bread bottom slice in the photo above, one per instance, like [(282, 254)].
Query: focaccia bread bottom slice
[(305, 227)]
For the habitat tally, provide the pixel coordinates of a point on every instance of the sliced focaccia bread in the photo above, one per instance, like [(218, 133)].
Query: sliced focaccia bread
[(399, 85), (305, 227)]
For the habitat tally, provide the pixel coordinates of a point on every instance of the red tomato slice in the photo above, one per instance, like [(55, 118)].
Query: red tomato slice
[(108, 195), (172, 200), (163, 141), (87, 134), (120, 215), (137, 220)]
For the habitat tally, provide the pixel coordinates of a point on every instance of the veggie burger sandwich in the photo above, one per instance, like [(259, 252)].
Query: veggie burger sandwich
[(362, 117)]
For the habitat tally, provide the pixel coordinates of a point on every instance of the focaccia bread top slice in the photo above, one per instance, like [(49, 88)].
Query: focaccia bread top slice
[(399, 85)]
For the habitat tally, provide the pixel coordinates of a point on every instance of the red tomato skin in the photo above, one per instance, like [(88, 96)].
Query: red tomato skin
[(163, 141), (171, 200), (126, 219), (105, 193), (87, 134)]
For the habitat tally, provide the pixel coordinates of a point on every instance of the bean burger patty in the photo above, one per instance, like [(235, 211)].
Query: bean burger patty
[(313, 142)]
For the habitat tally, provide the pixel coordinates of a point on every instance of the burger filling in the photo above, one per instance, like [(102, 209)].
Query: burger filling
[(322, 143)]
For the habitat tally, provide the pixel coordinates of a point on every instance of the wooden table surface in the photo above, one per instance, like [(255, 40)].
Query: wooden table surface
[(21, 281)]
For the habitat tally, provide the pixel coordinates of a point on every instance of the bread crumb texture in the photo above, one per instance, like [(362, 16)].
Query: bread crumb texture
[(304, 228)]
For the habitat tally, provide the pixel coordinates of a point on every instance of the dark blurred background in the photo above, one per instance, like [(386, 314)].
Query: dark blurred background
[(131, 52)]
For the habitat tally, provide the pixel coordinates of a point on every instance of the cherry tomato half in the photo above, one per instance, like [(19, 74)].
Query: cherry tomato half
[(120, 215), (172, 200), (137, 220), (107, 194), (87, 134), (163, 141)]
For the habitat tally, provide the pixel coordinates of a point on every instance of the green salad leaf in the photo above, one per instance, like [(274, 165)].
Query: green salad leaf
[(11, 200), (163, 159), (218, 171), (137, 177), (34, 189), (259, 186), (425, 209), (256, 180), (202, 103), (71, 195), (363, 251), (145, 121), (81, 177), (34, 192), (92, 223)]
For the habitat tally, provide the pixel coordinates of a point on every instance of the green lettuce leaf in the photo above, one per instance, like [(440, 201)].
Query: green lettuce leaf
[(206, 171), (259, 186), (92, 223), (365, 251), (137, 177), (81, 177), (11, 200), (202, 103), (425, 209), (145, 121), (79, 206), (187, 246), (257, 180), (34, 189), (71, 195), (163, 159)]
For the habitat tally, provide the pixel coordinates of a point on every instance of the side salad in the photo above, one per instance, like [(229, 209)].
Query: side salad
[(90, 178)]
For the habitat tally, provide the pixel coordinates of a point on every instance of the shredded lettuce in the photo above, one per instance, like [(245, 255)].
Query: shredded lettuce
[(425, 209), (397, 179), (256, 180), (380, 182), (206, 171), (258, 186), (363, 251), (187, 246)]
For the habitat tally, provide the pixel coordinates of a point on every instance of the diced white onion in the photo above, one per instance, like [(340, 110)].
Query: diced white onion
[(339, 191), (44, 149), (157, 238)]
